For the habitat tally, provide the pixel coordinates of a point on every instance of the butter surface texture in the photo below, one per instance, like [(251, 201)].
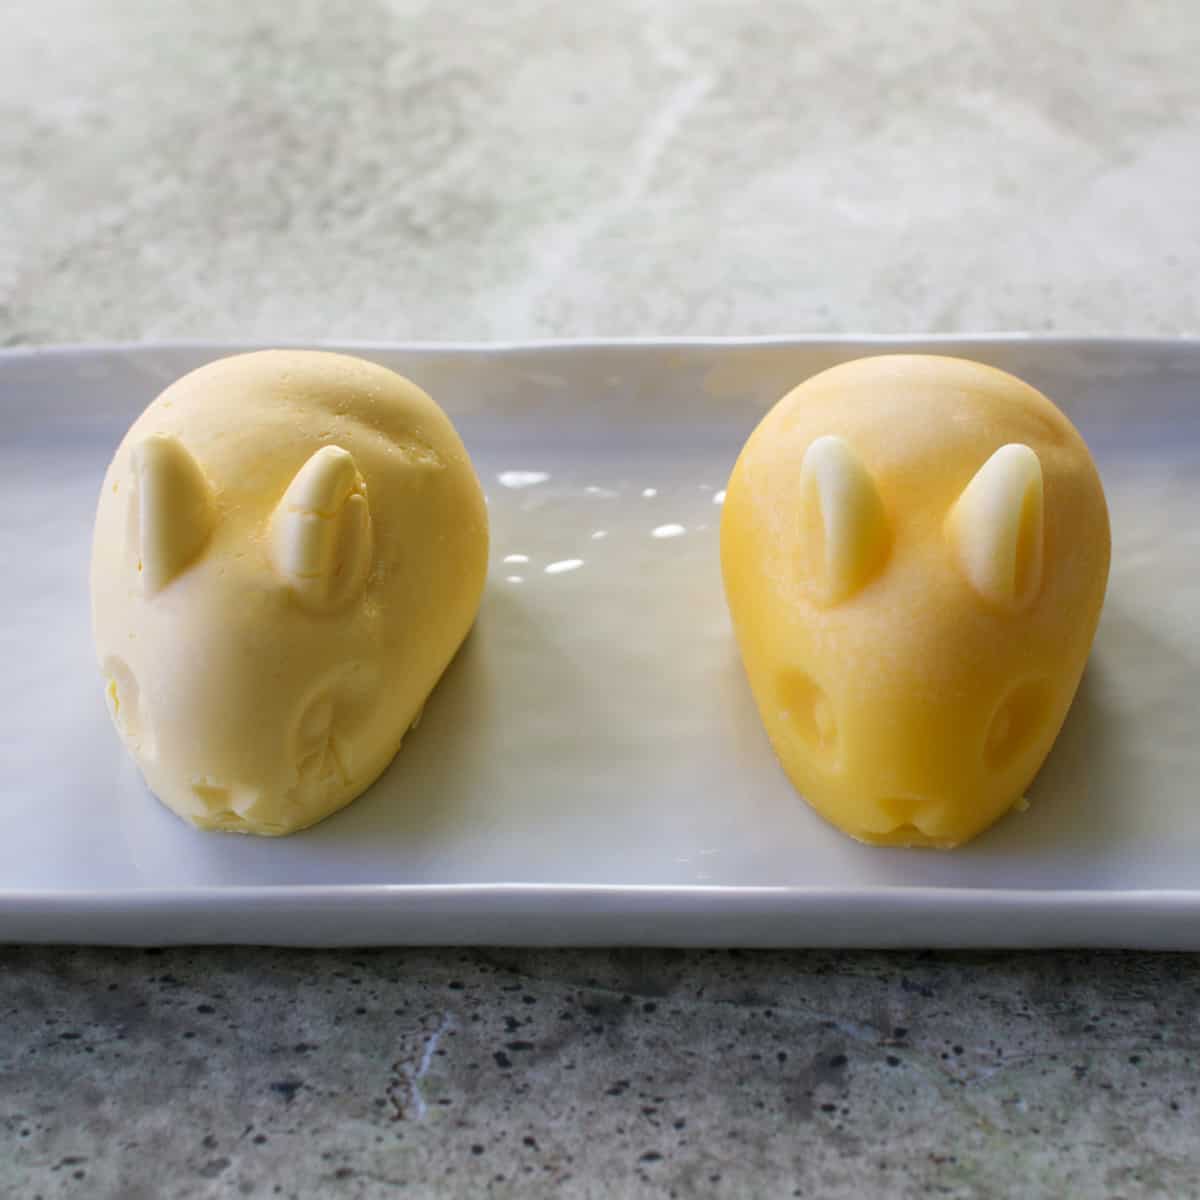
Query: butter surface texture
[(289, 548), (915, 551)]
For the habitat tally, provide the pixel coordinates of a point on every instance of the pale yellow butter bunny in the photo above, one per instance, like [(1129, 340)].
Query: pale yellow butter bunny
[(289, 548)]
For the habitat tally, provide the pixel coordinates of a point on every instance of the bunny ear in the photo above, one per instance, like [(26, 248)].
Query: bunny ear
[(996, 527), (321, 530), (844, 529), (171, 512)]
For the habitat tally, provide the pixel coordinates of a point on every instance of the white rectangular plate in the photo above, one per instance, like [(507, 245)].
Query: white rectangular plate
[(592, 768)]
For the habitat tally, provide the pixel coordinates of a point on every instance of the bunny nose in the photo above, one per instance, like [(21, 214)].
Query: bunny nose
[(909, 812), (222, 805)]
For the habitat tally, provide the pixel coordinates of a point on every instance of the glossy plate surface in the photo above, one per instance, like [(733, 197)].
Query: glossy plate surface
[(592, 768)]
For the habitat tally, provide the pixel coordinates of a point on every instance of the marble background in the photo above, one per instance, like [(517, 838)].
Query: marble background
[(421, 170), (244, 169)]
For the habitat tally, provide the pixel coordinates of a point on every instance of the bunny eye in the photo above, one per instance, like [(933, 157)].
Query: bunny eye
[(1016, 722)]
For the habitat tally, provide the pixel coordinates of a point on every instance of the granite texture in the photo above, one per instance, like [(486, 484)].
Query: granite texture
[(528, 169), (212, 1073)]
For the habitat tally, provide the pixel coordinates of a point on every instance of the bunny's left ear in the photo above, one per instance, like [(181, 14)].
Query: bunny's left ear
[(997, 528), (321, 530)]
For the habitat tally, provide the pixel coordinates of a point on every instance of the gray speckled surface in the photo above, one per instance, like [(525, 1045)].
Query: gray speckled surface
[(402, 170), (633, 1073), (587, 1073)]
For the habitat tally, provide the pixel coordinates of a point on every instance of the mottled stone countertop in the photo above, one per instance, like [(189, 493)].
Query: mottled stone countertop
[(401, 169)]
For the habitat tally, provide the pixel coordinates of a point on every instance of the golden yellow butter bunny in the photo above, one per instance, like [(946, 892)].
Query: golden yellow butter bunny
[(915, 551)]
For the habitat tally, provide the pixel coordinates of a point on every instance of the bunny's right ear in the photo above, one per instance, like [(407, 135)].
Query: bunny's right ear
[(321, 530), (844, 531), (171, 512)]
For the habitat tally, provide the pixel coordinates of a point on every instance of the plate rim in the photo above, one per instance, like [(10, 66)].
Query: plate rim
[(648, 342), (877, 917)]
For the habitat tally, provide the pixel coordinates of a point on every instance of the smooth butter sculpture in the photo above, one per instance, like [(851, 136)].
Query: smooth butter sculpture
[(289, 549), (915, 552)]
